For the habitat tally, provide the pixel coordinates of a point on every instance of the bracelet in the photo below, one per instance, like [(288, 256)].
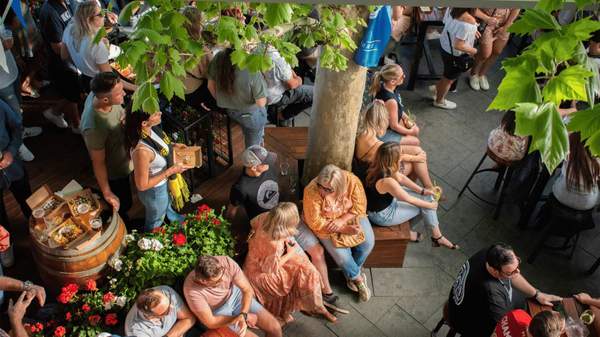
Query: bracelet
[(537, 292), (422, 190), (27, 285)]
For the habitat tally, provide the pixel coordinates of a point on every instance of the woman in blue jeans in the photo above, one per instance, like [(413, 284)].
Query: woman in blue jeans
[(392, 198), (335, 203), (242, 93), (149, 148)]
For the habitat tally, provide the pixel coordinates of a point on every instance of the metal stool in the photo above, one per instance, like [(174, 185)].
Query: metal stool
[(561, 221), (505, 172), (442, 322)]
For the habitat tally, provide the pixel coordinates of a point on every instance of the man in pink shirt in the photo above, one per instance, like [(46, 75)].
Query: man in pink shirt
[(219, 295)]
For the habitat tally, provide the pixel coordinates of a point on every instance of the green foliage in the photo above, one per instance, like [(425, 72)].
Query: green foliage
[(161, 51), (553, 69), (588, 123)]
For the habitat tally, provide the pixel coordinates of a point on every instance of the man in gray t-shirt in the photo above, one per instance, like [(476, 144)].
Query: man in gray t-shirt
[(158, 312), (286, 95)]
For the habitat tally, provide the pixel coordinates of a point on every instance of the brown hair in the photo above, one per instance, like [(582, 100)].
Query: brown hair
[(281, 221), (194, 24), (583, 170), (207, 267), (385, 164), (546, 324), (387, 73), (456, 12), (225, 71), (147, 300), (508, 122)]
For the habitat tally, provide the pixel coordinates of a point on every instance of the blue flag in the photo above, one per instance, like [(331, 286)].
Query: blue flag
[(16, 6), (376, 37)]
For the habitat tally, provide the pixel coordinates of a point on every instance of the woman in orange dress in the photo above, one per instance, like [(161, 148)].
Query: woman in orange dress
[(283, 278)]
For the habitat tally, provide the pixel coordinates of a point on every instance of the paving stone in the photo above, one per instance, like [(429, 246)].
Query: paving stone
[(421, 308), (408, 281), (304, 326), (354, 325), (398, 323), (375, 307)]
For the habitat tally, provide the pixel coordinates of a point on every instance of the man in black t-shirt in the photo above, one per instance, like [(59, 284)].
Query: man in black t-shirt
[(483, 291), (258, 191)]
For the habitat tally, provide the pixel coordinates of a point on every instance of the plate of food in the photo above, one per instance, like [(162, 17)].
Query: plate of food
[(82, 203), (64, 234)]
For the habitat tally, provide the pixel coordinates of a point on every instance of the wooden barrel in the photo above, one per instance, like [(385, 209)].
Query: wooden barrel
[(60, 266)]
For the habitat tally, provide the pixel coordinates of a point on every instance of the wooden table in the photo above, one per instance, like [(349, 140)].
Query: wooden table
[(289, 143), (572, 308)]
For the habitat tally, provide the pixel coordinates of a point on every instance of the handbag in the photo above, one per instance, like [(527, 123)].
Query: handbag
[(462, 62), (340, 240)]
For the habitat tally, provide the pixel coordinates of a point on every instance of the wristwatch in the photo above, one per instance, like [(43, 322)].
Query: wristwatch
[(27, 285), (537, 292)]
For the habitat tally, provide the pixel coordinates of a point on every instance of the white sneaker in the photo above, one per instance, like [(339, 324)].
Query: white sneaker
[(474, 82), (483, 83), (351, 285), (433, 91), (25, 154), (433, 35), (31, 131), (59, 120), (448, 105)]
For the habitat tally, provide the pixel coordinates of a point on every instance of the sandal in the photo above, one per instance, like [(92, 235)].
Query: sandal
[(419, 238), (435, 242)]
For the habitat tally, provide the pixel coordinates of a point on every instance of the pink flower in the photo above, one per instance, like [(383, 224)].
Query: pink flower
[(86, 308), (179, 239), (60, 331), (94, 319), (91, 285), (108, 297), (204, 208), (68, 316), (111, 319)]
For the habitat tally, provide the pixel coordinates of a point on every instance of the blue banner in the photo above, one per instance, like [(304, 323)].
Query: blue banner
[(376, 37), (16, 6)]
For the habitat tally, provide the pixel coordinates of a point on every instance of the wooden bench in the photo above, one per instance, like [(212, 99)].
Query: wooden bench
[(390, 246)]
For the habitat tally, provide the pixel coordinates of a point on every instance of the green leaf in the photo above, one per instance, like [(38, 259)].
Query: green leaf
[(587, 122), (582, 29), (583, 3), (517, 86), (549, 134), (258, 62), (534, 19), (549, 5), (166, 84), (152, 36), (173, 19), (278, 13), (227, 30), (554, 46), (569, 84), (135, 49), (127, 12), (99, 35)]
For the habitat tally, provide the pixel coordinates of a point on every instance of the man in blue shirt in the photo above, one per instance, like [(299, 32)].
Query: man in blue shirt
[(12, 172)]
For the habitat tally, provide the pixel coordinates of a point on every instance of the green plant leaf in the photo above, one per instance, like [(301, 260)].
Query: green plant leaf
[(227, 30), (166, 84), (278, 13), (583, 3), (582, 29), (517, 86), (549, 5), (555, 46), (99, 35), (549, 134), (587, 122), (569, 84), (127, 12), (533, 19)]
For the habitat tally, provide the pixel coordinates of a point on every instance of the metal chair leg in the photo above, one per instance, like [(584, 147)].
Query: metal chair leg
[(437, 328), (472, 175), (509, 173), (594, 267), (500, 178)]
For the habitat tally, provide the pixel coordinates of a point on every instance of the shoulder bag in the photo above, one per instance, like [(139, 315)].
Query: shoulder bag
[(463, 62)]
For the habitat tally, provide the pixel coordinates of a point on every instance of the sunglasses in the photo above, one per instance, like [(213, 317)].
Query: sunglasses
[(325, 189)]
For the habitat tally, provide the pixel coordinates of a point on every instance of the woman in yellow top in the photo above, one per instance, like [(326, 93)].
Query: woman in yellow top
[(332, 201)]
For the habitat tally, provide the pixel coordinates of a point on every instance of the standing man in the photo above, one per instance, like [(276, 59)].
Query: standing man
[(483, 291), (101, 126)]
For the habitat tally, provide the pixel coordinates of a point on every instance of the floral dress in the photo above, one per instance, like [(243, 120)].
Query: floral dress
[(281, 286)]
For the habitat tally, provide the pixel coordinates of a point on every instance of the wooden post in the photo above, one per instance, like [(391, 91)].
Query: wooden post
[(335, 113)]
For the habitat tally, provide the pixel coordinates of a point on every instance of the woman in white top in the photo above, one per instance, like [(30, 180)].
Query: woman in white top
[(457, 39), (78, 43), (149, 149), (577, 184)]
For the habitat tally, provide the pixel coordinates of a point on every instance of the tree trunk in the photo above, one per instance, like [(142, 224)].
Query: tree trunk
[(335, 114)]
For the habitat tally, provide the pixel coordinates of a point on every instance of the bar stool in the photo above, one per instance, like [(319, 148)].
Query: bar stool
[(561, 221), (505, 171), (442, 322)]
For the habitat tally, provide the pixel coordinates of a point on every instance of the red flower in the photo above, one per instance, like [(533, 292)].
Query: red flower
[(39, 326), (30, 327), (108, 297), (86, 308), (67, 293), (71, 288), (216, 222), (204, 208), (64, 298), (68, 316), (179, 239), (160, 229), (90, 285), (94, 319), (60, 331), (111, 319)]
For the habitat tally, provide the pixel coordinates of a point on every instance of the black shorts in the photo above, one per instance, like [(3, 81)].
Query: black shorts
[(66, 82), (450, 72)]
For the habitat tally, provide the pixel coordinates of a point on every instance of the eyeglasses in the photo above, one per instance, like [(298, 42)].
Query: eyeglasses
[(326, 189), (515, 271)]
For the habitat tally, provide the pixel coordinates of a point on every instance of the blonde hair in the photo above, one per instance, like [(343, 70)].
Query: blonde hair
[(281, 221), (547, 324), (387, 73), (376, 118), (82, 25), (334, 176)]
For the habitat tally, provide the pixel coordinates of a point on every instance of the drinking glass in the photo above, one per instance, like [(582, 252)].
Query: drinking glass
[(284, 167), (576, 328), (293, 183)]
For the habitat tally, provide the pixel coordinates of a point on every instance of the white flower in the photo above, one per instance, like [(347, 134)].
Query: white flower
[(115, 263), (129, 238), (107, 306), (156, 245), (121, 301), (112, 281), (144, 244)]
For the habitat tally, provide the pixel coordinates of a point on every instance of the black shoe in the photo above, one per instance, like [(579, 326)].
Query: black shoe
[(330, 298)]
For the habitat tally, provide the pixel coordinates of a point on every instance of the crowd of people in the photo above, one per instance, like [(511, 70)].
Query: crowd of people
[(284, 270)]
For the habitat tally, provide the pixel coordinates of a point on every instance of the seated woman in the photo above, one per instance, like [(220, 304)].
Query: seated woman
[(392, 198), (283, 278), (503, 142), (149, 149), (334, 209), (413, 160), (577, 184), (401, 128)]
